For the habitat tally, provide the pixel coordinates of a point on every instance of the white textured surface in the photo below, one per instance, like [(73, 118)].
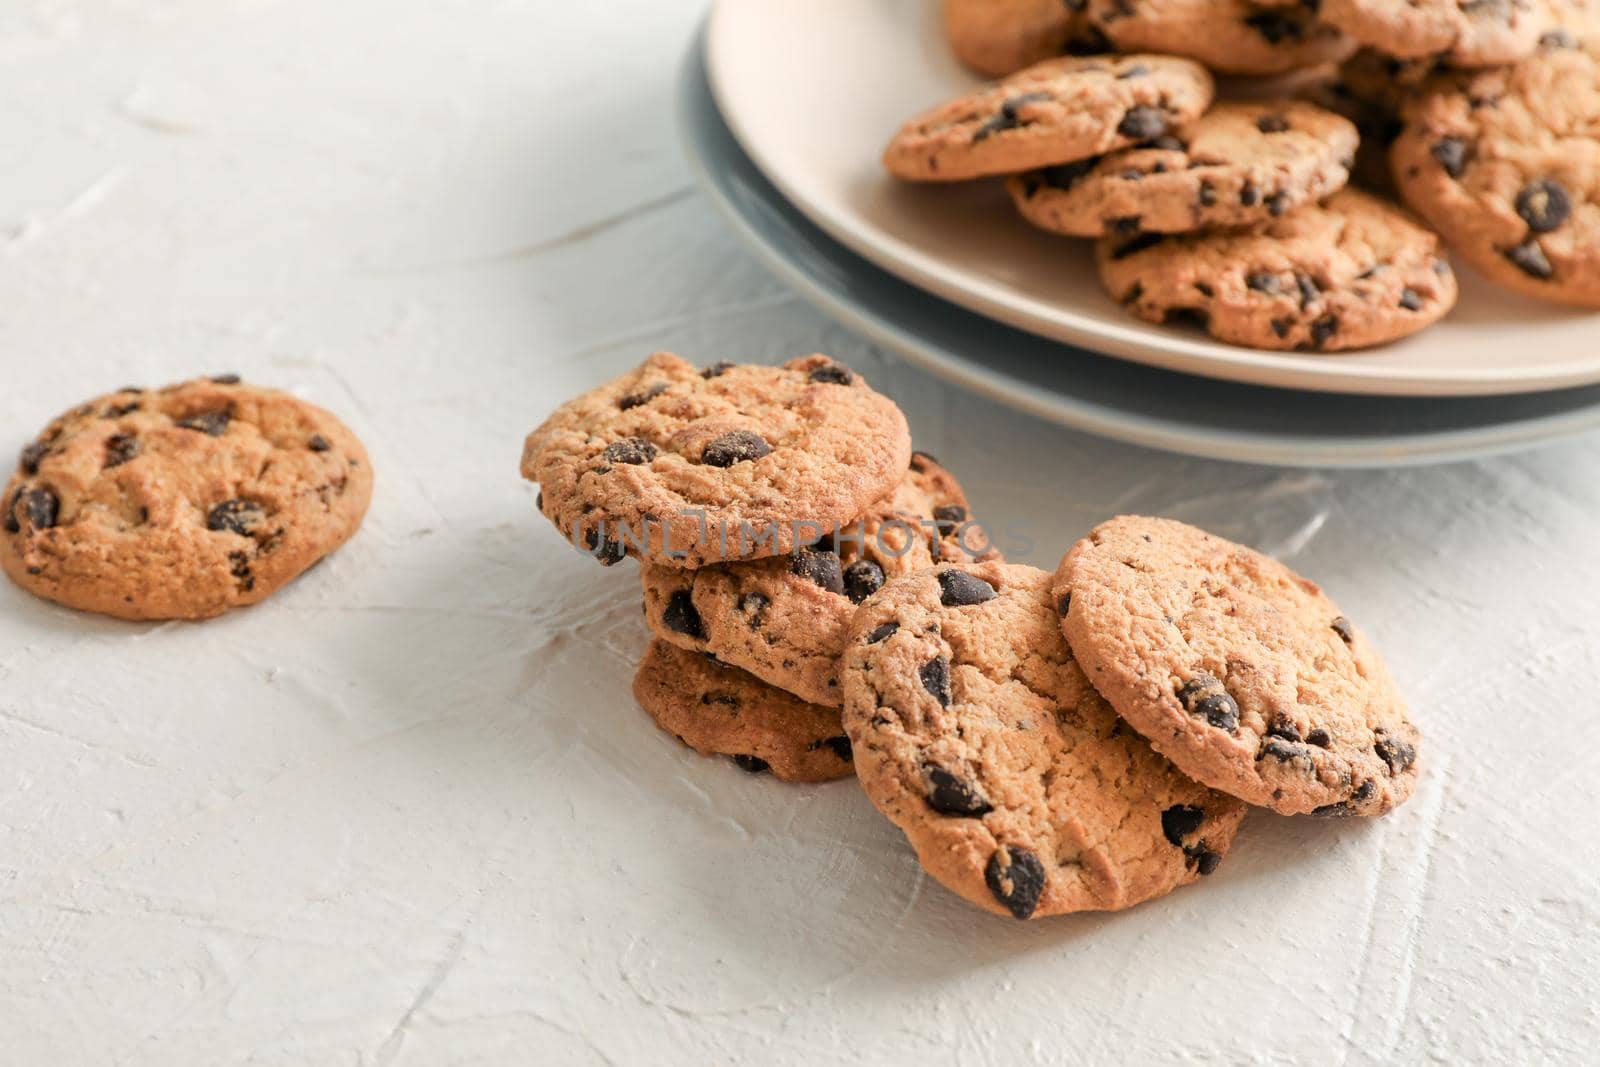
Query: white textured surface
[(406, 811)]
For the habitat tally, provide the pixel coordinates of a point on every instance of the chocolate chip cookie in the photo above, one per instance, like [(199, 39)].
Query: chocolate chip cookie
[(1000, 37), (1465, 33), (784, 619), (719, 710), (1229, 36), (685, 467), (1058, 111), (180, 503), (976, 733), (1505, 164), (1244, 674), (1347, 274), (1239, 165)]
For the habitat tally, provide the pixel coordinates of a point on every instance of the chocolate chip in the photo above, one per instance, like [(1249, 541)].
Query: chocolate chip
[(1168, 143), (9, 520), (226, 379), (1410, 299), (1275, 26), (1278, 205), (1272, 124), (211, 423), (1138, 70), (935, 676), (717, 369), (318, 443), (1016, 878), (1206, 861), (1206, 697), (1544, 205), (239, 567), (1323, 329), (1138, 244), (644, 396), (1064, 605), (1264, 282), (1451, 154), (840, 746), (950, 795), (607, 553), (736, 446), (882, 632), (1281, 327), (832, 374), (1187, 316), (630, 451), (1309, 292), (819, 568), (960, 589), (1558, 39), (1066, 175), (753, 764), (120, 448), (235, 517), (1208, 194), (1249, 195), (682, 617), (1342, 627), (32, 456), (1285, 730), (1128, 224), (1007, 118), (1181, 820), (921, 461), (1282, 751), (1531, 259), (42, 507), (1319, 737), (1142, 123), (116, 411), (1396, 753), (861, 579), (951, 515)]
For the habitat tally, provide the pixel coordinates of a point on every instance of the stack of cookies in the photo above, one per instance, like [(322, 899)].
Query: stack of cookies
[(1238, 216), (763, 504), (1048, 743)]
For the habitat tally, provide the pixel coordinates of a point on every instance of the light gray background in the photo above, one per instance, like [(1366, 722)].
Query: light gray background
[(407, 812)]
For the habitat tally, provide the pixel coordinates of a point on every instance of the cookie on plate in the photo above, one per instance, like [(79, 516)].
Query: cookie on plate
[(719, 710), (977, 734), (1229, 36), (1244, 674), (183, 502), (1464, 33), (784, 619), (1238, 165), (1347, 274), (1058, 111), (1000, 37), (686, 467), (1505, 164)]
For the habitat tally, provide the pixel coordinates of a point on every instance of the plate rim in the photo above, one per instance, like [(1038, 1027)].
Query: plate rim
[(1342, 374), (1252, 447)]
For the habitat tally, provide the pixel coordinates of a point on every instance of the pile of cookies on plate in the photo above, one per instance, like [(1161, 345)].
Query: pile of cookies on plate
[(824, 602), (1240, 215)]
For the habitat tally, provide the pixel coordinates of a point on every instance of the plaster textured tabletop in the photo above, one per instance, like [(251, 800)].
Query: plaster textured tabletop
[(407, 812)]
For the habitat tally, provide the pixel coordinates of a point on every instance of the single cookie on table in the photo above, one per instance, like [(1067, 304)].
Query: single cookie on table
[(1229, 36), (1238, 165), (1347, 274), (1058, 111), (719, 710), (784, 619), (182, 502), (1505, 164), (1244, 674), (978, 735), (1464, 33), (686, 467), (1000, 37)]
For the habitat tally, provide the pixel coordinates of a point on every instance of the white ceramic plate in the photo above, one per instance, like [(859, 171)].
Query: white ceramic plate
[(1112, 398), (813, 89)]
